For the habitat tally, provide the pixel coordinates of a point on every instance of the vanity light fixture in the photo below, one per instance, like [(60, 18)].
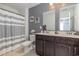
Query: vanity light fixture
[(51, 6), (55, 5)]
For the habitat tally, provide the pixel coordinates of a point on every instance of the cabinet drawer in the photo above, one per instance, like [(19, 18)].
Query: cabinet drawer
[(71, 41), (61, 40), (48, 38), (76, 41), (39, 37)]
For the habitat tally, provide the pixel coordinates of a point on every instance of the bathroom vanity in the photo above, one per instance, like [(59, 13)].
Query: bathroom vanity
[(57, 44)]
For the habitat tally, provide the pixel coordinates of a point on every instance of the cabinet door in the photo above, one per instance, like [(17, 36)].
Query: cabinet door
[(76, 51), (62, 50), (39, 45), (49, 48)]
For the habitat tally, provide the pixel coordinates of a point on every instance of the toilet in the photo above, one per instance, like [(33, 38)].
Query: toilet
[(28, 45)]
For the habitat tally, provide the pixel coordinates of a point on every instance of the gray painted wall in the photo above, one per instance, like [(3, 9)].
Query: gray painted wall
[(37, 11)]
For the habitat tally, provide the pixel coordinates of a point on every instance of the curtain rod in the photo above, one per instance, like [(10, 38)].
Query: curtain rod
[(11, 12)]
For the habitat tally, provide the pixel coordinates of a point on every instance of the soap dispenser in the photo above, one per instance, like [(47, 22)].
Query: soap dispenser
[(41, 29)]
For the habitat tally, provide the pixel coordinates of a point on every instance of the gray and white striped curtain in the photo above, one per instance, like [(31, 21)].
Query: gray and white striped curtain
[(12, 31)]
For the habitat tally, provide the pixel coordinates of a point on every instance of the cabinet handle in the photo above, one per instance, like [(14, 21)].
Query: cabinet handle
[(69, 50), (75, 51)]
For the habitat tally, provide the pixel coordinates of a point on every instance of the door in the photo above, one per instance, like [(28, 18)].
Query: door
[(39, 45), (76, 51), (49, 48), (62, 49)]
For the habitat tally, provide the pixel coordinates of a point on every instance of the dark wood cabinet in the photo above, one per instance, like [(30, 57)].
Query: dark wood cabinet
[(76, 50), (63, 46), (49, 46), (44, 45), (62, 49), (39, 45), (39, 48), (56, 46)]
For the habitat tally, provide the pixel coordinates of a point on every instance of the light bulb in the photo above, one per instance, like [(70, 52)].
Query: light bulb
[(51, 4)]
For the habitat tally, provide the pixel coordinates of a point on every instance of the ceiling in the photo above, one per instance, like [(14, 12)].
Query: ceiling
[(21, 6)]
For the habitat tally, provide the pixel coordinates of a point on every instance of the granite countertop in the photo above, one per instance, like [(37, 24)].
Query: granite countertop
[(60, 35)]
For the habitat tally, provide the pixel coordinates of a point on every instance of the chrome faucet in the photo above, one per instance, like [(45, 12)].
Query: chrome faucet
[(56, 32), (70, 33)]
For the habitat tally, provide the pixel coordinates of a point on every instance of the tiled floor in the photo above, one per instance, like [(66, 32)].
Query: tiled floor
[(31, 53)]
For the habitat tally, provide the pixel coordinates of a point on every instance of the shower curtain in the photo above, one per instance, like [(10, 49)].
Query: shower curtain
[(12, 31)]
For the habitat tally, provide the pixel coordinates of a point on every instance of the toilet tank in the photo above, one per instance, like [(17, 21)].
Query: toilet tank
[(32, 37)]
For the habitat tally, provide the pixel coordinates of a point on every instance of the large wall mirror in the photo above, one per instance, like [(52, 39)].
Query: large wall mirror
[(66, 18), (49, 20)]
